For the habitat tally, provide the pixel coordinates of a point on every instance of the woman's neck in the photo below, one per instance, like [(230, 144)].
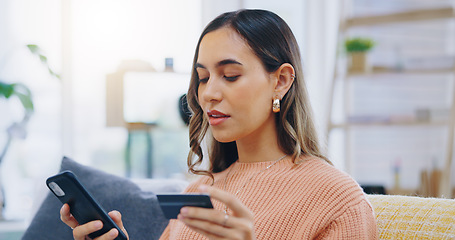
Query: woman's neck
[(259, 149)]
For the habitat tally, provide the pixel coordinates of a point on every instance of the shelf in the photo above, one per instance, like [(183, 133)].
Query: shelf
[(389, 124), (435, 63), (409, 16), (139, 126), (385, 71)]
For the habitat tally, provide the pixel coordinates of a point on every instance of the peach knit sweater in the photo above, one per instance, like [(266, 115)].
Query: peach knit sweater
[(310, 200)]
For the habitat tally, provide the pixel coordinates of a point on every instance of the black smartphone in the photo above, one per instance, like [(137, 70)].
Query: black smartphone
[(172, 203), (67, 188)]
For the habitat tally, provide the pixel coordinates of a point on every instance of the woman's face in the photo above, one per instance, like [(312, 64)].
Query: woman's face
[(235, 91)]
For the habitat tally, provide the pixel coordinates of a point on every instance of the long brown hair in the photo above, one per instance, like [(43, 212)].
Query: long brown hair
[(273, 42)]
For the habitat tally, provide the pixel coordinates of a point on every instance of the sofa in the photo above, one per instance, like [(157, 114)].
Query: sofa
[(398, 217), (406, 217)]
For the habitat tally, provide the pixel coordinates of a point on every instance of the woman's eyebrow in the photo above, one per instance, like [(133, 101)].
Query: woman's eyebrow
[(220, 63), (226, 62), (198, 65)]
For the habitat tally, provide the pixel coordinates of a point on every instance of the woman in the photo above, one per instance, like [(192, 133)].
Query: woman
[(267, 177)]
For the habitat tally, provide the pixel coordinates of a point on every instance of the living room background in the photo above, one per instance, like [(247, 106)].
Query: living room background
[(86, 41)]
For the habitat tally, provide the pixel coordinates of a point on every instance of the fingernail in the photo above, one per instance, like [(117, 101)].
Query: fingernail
[(184, 211), (113, 232), (203, 188), (98, 224)]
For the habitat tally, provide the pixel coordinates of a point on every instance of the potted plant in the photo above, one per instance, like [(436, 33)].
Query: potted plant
[(357, 49), (21, 91), (8, 90)]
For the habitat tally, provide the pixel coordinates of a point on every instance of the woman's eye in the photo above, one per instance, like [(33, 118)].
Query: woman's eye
[(231, 79), (203, 80)]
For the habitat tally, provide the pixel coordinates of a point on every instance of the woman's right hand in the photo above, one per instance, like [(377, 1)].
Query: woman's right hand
[(80, 232)]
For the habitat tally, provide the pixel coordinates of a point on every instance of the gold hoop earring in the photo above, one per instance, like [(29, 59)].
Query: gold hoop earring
[(276, 105)]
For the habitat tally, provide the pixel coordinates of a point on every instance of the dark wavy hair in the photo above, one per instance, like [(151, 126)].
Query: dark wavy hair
[(271, 39)]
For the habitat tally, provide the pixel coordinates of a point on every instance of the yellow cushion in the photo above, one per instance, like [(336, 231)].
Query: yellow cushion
[(404, 217)]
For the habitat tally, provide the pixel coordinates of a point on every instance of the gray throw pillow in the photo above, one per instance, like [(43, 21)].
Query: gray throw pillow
[(141, 214)]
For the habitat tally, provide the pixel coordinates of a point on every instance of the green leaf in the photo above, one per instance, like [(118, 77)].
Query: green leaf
[(6, 89), (43, 58), (21, 91), (26, 101), (21, 88), (53, 73), (24, 95), (358, 44), (33, 48)]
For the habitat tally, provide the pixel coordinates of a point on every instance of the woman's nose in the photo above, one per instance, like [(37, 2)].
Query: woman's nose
[(211, 91)]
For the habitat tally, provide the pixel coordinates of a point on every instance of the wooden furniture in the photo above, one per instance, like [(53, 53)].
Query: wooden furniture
[(115, 112), (146, 130), (147, 103), (343, 82)]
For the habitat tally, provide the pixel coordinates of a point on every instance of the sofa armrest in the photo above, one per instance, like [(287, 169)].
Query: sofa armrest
[(405, 217)]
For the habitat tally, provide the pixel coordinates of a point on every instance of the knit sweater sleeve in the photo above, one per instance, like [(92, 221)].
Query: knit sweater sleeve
[(356, 222), (165, 234)]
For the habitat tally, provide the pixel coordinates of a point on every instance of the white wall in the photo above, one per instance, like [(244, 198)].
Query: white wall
[(319, 54)]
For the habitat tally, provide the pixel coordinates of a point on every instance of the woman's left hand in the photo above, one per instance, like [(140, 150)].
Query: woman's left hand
[(215, 224)]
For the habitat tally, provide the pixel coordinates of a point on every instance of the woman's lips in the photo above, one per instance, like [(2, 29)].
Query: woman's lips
[(216, 117)]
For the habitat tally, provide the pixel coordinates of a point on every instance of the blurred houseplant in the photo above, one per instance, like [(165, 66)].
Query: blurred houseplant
[(357, 49), (17, 129), (21, 91)]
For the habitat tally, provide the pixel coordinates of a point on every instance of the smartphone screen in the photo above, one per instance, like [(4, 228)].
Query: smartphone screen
[(172, 203), (67, 188)]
